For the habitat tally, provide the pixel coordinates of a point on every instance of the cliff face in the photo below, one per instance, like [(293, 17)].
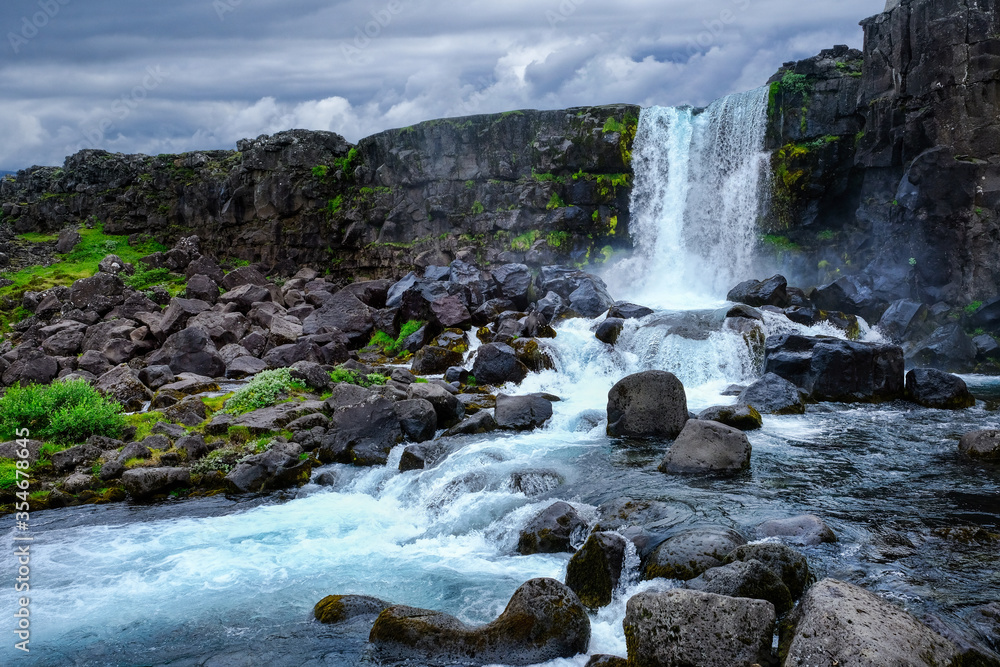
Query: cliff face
[(904, 183), (536, 186)]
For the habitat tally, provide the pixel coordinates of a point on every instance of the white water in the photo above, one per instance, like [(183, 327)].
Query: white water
[(699, 191)]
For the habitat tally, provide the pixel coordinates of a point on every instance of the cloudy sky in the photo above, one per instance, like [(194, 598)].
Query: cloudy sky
[(159, 77)]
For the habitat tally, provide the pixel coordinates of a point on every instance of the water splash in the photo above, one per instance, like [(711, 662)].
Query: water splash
[(699, 191)]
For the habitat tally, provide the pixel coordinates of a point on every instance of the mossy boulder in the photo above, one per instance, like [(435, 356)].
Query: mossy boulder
[(544, 620), (339, 608), (594, 571), (745, 579), (790, 565), (742, 417), (689, 553), (551, 531)]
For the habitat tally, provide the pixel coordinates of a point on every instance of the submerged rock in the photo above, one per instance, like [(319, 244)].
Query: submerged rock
[(544, 620), (339, 608), (684, 627), (647, 404), (807, 530), (839, 623), (983, 445)]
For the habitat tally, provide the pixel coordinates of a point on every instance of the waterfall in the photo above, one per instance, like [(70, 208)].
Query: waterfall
[(699, 190)]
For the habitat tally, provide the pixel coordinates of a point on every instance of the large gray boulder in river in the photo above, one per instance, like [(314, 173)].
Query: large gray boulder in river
[(651, 404)]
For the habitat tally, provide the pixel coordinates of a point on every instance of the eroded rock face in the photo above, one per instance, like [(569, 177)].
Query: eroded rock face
[(544, 620), (837, 622), (684, 627)]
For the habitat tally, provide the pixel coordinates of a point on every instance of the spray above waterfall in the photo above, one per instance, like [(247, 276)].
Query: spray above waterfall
[(700, 188)]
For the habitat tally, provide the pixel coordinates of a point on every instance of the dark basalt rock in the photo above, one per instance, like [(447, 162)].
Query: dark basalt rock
[(339, 608), (936, 389), (609, 330), (743, 417), (496, 364), (745, 579), (189, 351), (689, 553), (430, 360), (707, 447), (522, 413), (417, 418), (647, 404), (949, 349), (552, 530), (593, 571), (790, 566), (984, 445), (770, 292), (772, 394), (544, 620)]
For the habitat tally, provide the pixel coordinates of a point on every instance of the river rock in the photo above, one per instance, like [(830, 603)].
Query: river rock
[(276, 417), (361, 434), (773, 394), (189, 351), (948, 349), (544, 620), (839, 623), (497, 364), (591, 298), (790, 566), (144, 483), (983, 445), (745, 579), (121, 384), (628, 311), (932, 388), (609, 330), (155, 377), (689, 553), (593, 571), (423, 455), (522, 413), (770, 292), (417, 419), (175, 318), (339, 608), (430, 360), (449, 409), (277, 468), (806, 530), (685, 627), (481, 422), (833, 369), (742, 417), (552, 530), (705, 446), (75, 456), (604, 660), (904, 320), (651, 404)]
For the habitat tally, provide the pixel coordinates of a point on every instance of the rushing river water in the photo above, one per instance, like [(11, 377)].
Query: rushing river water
[(227, 582)]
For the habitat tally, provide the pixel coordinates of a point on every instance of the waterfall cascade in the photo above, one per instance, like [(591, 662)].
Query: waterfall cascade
[(700, 188)]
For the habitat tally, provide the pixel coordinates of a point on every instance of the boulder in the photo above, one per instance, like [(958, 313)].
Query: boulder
[(770, 292), (514, 281), (594, 571), (143, 483), (285, 356), (839, 623), (609, 330), (604, 660), (552, 530), (339, 608), (481, 422), (983, 445), (155, 377), (193, 446), (745, 579), (628, 311), (245, 367), (122, 384), (176, 316), (497, 364), (244, 275), (431, 360), (449, 409), (100, 293), (451, 311), (833, 369), (343, 312), (362, 434), (852, 295), (189, 351), (245, 296), (806, 530), (651, 404), (75, 456), (522, 413), (772, 394), (932, 388), (31, 367), (948, 349), (544, 620), (205, 266), (277, 417), (904, 320), (591, 298), (422, 455), (222, 328), (790, 566), (417, 419), (708, 447), (687, 554), (68, 238), (66, 343), (743, 417), (277, 468), (685, 627)]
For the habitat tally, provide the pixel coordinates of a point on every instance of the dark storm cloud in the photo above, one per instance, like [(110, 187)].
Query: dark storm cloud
[(143, 76)]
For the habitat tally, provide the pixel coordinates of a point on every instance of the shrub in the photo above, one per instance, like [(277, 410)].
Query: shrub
[(63, 412), (264, 390), (352, 377)]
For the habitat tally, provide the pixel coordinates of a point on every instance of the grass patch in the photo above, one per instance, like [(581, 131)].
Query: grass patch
[(555, 201), (343, 375), (524, 242), (264, 390), (779, 243), (144, 423), (63, 412), (973, 307), (393, 347)]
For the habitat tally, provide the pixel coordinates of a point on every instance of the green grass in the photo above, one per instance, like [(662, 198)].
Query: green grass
[(392, 347), (478, 208), (343, 375), (145, 278), (555, 201), (144, 423), (973, 307), (524, 242), (63, 412), (264, 390), (779, 243)]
